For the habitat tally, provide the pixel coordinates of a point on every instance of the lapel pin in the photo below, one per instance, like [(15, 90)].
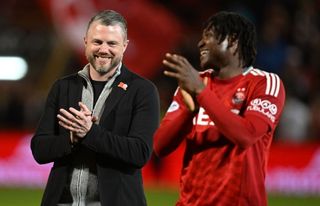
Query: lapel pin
[(122, 85)]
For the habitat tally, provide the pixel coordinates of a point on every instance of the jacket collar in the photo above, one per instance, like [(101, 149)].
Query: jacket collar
[(120, 86)]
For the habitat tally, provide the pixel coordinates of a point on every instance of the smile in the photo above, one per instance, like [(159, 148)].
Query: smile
[(102, 57), (204, 52)]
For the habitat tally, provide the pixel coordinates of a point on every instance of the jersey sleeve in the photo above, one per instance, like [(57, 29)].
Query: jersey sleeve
[(267, 99), (261, 115), (174, 127)]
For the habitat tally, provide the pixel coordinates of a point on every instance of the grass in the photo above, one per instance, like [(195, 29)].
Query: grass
[(161, 196), (20, 196), (276, 200), (155, 197)]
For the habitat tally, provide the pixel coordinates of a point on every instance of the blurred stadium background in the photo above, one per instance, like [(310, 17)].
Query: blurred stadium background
[(47, 36)]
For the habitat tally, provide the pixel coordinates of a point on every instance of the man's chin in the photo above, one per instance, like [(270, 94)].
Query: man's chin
[(207, 65), (204, 66), (102, 70)]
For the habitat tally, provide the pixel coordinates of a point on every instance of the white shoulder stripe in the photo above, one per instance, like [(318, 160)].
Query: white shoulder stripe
[(273, 84), (254, 73), (261, 73), (278, 86), (268, 86), (257, 72), (273, 81)]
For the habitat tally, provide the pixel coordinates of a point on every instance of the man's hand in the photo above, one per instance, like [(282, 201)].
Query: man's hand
[(188, 99), (78, 122), (187, 77)]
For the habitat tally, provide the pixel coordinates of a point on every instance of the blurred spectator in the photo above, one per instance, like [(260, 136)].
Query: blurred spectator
[(315, 118), (306, 32), (273, 43), (294, 123), (296, 77), (14, 114), (295, 120)]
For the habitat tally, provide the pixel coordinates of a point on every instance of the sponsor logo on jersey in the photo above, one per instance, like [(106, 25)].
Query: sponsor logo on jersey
[(203, 118), (174, 106), (265, 107)]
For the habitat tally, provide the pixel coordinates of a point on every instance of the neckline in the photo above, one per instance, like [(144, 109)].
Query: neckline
[(235, 78), (98, 82)]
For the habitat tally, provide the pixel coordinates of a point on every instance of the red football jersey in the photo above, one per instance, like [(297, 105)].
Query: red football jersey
[(227, 140)]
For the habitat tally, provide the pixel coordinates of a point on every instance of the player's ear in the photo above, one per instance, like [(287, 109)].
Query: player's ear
[(233, 44)]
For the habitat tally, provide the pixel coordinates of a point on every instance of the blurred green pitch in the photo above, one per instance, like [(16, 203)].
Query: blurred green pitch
[(155, 197)]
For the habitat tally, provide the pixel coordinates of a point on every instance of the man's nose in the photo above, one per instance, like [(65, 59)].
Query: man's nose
[(104, 48), (200, 43)]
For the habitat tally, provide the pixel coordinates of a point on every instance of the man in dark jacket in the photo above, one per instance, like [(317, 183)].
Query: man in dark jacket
[(98, 124)]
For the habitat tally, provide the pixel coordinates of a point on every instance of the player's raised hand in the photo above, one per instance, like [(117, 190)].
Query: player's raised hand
[(187, 77), (188, 99)]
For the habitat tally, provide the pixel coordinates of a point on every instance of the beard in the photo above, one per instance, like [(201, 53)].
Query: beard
[(104, 68)]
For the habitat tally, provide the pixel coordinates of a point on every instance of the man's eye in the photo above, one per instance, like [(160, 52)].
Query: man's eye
[(96, 42), (112, 44)]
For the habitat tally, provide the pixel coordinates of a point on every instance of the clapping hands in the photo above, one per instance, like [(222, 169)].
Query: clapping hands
[(77, 122)]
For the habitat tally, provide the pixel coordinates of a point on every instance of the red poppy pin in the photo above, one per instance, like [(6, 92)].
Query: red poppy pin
[(122, 85)]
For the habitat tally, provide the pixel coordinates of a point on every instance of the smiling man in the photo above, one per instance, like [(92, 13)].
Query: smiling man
[(98, 125), (104, 48), (227, 116)]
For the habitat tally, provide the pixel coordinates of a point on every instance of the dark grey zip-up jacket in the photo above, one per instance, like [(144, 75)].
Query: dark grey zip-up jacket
[(122, 142)]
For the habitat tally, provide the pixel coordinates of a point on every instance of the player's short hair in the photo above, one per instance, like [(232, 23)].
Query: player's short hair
[(238, 27), (110, 18)]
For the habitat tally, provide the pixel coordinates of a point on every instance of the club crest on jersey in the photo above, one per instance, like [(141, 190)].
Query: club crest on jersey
[(239, 96)]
